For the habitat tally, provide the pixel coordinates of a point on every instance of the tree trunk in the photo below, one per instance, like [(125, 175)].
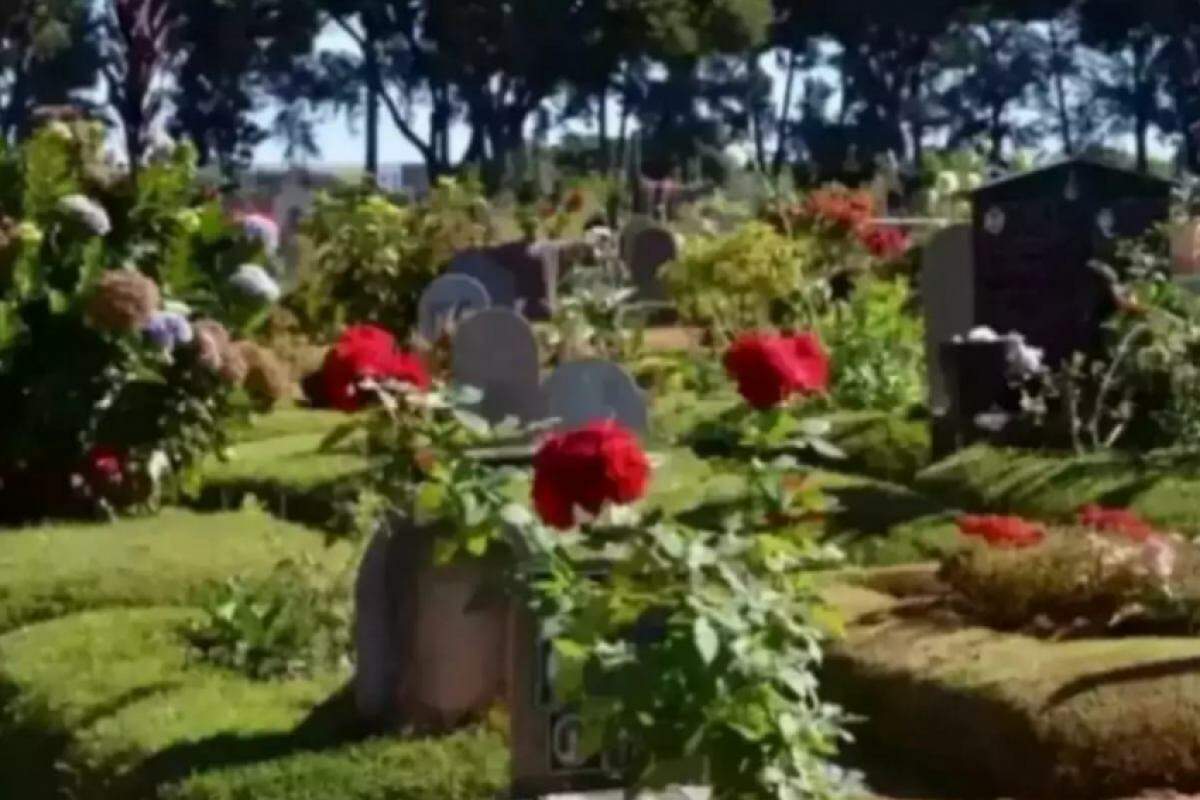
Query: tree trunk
[(602, 130), (1060, 90), (1142, 99), (756, 120), (785, 112), (371, 68)]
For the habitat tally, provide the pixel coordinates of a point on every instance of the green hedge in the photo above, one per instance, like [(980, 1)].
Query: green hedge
[(1162, 486), (288, 474), (59, 569), (880, 445)]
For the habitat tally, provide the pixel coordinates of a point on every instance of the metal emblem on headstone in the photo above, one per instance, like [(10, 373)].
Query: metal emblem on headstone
[(479, 264), (585, 391), (495, 352), (449, 298)]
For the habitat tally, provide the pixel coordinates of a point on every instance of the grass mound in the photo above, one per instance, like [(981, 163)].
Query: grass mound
[(993, 714), (55, 570)]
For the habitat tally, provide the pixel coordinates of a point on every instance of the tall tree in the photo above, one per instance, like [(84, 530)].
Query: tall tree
[(48, 55)]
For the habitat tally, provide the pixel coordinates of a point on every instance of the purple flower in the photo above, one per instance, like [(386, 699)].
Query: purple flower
[(169, 330), (261, 229), (253, 281)]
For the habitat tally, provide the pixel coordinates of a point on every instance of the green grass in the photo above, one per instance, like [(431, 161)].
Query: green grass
[(289, 474), (54, 570), (471, 765), (1162, 486), (107, 705), (291, 421)]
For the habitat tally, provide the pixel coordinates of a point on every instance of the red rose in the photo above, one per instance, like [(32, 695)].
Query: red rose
[(840, 208), (104, 467), (884, 242), (769, 369), (366, 352), (997, 531), (1120, 521), (586, 468)]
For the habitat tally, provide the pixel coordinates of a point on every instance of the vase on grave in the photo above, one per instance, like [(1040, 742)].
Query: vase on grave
[(1185, 247)]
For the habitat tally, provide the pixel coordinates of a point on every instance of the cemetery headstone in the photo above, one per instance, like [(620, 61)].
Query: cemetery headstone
[(649, 250), (430, 640), (585, 391), (533, 294), (450, 297), (495, 352), (947, 285), (483, 267), (634, 226), (1035, 235)]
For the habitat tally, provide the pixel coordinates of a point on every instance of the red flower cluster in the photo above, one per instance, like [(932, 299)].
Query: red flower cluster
[(104, 468), (884, 242), (586, 468), (1011, 532), (1120, 521), (840, 208), (770, 369), (367, 352)]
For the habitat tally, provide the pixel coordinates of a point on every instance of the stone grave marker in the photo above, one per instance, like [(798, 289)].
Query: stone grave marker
[(585, 391), (449, 297), (947, 285), (532, 292), (483, 267), (495, 352), (1035, 235), (648, 251)]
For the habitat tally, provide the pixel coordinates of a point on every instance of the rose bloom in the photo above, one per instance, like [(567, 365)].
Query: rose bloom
[(586, 468), (884, 242), (841, 208), (770, 368), (997, 531), (366, 352), (104, 467), (1120, 521)]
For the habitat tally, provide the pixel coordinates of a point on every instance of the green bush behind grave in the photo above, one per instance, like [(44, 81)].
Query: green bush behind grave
[(1162, 485), (471, 765), (55, 570)]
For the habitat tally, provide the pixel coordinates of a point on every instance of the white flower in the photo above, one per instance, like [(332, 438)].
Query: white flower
[(87, 211), (261, 229), (1023, 359), (983, 334), (158, 466), (253, 281)]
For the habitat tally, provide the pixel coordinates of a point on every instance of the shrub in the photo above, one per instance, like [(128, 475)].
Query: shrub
[(373, 257), (751, 278), (1107, 573), (878, 349), (284, 625)]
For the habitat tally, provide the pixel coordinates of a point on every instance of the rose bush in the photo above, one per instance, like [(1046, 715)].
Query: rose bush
[(585, 469), (769, 369), (366, 353)]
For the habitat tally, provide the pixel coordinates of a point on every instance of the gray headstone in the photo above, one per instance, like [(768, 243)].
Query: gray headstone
[(499, 282), (495, 351), (948, 298), (636, 224), (649, 250), (449, 297), (585, 391)]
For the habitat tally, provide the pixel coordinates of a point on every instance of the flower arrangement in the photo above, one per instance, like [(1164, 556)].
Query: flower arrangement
[(1110, 571)]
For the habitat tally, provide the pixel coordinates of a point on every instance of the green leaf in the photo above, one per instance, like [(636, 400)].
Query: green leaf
[(705, 638), (429, 501)]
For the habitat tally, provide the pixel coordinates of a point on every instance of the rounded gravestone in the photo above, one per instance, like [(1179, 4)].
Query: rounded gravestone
[(499, 282), (587, 391), (495, 352), (449, 298)]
